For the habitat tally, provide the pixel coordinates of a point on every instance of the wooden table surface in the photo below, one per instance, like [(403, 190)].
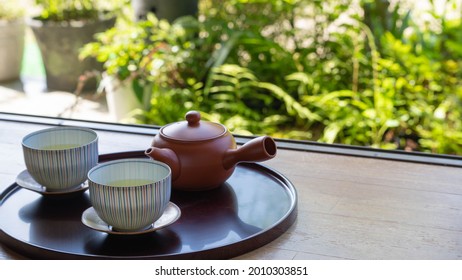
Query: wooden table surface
[(353, 203)]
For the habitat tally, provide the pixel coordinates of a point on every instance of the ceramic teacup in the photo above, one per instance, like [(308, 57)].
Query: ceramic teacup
[(130, 194), (59, 158)]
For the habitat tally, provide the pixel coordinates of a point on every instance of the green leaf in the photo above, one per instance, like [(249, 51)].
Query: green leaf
[(138, 89)]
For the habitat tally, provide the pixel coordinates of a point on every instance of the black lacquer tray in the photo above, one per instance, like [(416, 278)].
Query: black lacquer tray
[(252, 208)]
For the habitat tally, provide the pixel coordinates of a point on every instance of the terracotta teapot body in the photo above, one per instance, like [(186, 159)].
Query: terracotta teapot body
[(203, 155)]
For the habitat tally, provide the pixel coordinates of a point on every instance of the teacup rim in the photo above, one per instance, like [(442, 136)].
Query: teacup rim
[(56, 129), (118, 161)]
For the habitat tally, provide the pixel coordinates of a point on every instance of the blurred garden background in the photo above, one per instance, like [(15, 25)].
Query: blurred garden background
[(377, 73)]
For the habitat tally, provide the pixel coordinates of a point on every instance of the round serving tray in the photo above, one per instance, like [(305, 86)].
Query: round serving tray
[(252, 208)]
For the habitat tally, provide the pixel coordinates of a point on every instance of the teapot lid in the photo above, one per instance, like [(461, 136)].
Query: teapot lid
[(193, 129)]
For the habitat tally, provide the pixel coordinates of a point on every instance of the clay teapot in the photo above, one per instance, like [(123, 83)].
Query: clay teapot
[(203, 154)]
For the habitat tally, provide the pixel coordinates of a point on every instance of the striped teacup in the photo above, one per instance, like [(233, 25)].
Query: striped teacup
[(59, 158), (130, 194)]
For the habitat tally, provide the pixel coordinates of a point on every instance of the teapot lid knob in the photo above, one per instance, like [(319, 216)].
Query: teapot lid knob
[(193, 118), (193, 129)]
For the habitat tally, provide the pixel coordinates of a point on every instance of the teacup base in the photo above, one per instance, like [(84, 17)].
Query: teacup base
[(131, 230), (25, 180), (48, 189), (91, 219)]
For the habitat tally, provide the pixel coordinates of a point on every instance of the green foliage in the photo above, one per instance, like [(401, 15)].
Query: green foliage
[(311, 70), (127, 50), (59, 10), (124, 49)]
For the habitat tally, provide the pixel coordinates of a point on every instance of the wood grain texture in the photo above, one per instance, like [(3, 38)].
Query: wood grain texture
[(348, 207)]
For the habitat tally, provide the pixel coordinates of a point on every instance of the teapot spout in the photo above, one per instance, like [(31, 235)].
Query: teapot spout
[(167, 156), (258, 149)]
